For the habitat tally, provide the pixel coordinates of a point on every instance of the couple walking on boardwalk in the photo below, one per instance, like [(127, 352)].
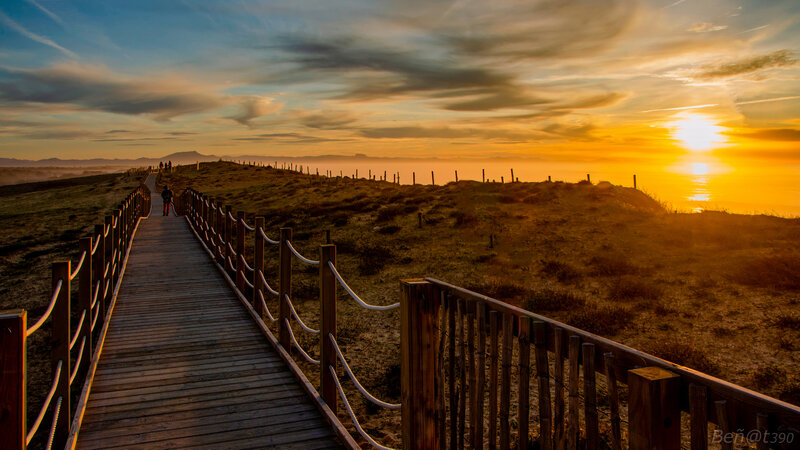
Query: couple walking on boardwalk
[(166, 196)]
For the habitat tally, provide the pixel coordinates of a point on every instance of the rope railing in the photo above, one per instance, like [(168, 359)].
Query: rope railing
[(231, 216), (247, 266), (94, 319), (267, 239), (56, 413), (229, 264), (266, 309), (249, 284), (247, 227), (96, 244), (35, 427), (352, 414), (266, 285), (105, 270), (77, 330), (355, 381), (78, 361), (299, 256), (78, 266), (106, 230), (232, 250), (356, 297), (105, 290), (297, 317), (47, 313), (297, 345), (95, 295)]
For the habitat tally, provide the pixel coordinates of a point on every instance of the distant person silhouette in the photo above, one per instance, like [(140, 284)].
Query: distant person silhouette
[(160, 165), (166, 195)]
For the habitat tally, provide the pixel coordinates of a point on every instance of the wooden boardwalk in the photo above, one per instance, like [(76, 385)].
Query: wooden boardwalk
[(184, 365)]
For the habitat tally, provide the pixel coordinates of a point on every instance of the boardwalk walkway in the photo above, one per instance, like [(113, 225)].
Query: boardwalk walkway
[(184, 365)]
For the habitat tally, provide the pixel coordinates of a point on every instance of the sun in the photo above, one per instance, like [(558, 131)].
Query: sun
[(696, 131)]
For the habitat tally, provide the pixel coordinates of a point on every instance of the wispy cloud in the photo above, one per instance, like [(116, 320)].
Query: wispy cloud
[(253, 107), (706, 27), (772, 134), (765, 100), (46, 11), (9, 22), (780, 58), (679, 108)]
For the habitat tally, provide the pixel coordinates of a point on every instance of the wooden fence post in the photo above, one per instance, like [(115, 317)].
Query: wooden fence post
[(228, 240), (285, 288), (108, 246), (240, 273), (654, 395), (13, 426), (419, 359), (117, 239), (85, 302), (258, 267), (60, 349), (327, 300), (98, 265)]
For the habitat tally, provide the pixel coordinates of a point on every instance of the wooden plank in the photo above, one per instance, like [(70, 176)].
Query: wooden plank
[(523, 389), (462, 376), (481, 377), (505, 381), (472, 375), (574, 425), (558, 376), (613, 401), (590, 398), (451, 370), (493, 382), (543, 377), (698, 411)]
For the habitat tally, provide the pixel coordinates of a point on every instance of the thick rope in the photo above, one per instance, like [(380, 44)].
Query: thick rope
[(78, 361), (77, 331), (46, 314), (266, 285), (46, 405), (78, 266), (266, 309), (352, 415), (296, 345), (53, 424), (96, 292), (264, 236), (297, 317), (96, 315), (356, 297), (299, 256), (247, 227), (360, 388), (96, 244)]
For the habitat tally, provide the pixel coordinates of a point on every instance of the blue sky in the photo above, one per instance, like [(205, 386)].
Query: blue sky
[(556, 79)]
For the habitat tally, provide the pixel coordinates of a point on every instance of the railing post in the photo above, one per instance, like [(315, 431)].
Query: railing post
[(654, 395), (60, 349), (327, 301), (116, 247), (98, 265), (258, 267), (85, 301), (108, 246), (240, 273), (228, 236), (13, 426), (419, 360), (285, 287)]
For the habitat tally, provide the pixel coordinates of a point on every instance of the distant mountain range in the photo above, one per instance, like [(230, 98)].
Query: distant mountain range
[(178, 158)]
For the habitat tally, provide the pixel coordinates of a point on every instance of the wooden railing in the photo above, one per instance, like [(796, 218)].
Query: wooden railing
[(97, 272), (466, 364)]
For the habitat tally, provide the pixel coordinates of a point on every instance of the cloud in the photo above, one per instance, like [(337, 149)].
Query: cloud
[(772, 134), (499, 99), (706, 27), (596, 101), (328, 120), (33, 36), (780, 58), (253, 107), (288, 138), (97, 89), (418, 132), (47, 12)]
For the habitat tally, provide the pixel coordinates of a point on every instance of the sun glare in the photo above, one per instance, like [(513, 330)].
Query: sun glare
[(696, 131)]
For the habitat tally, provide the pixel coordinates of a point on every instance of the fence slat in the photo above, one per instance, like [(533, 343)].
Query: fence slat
[(613, 401), (558, 375), (721, 407), (493, 384), (327, 288), (60, 348), (481, 376), (654, 417), (574, 426), (441, 407), (473, 391), (462, 376), (523, 389), (590, 398), (13, 396), (285, 288), (543, 376), (698, 411), (505, 381), (762, 426), (451, 369)]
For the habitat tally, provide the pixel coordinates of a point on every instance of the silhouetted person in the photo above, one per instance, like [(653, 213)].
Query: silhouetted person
[(166, 195)]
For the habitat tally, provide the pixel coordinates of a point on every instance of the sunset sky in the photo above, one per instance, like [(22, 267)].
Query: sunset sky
[(593, 80)]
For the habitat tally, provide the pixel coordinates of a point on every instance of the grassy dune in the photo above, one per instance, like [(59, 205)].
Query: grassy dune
[(713, 291), (41, 223)]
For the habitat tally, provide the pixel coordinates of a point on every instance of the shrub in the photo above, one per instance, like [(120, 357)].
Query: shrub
[(785, 320), (391, 229), (612, 265), (683, 354), (388, 213), (548, 300), (374, 257), (464, 218), (499, 290), (768, 377), (563, 272), (630, 288), (777, 271), (602, 320)]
